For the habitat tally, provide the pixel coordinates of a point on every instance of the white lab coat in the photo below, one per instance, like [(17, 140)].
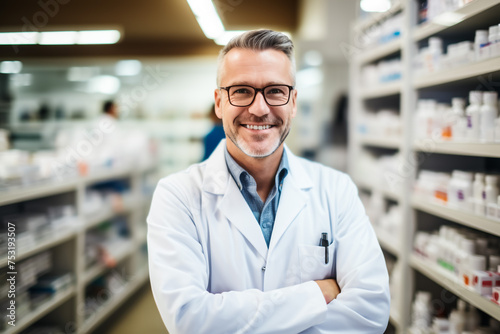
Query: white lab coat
[(212, 272)]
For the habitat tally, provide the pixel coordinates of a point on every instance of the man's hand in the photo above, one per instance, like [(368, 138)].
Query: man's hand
[(330, 289)]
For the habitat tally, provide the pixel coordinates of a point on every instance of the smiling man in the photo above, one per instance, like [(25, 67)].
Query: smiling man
[(255, 239)]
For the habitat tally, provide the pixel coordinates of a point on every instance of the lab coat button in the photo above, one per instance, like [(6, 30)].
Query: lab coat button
[(264, 268)]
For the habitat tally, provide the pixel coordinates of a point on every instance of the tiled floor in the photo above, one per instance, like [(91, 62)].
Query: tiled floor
[(139, 315)]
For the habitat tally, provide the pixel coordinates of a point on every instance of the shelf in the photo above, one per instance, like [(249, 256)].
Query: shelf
[(41, 310), (490, 150), (49, 188), (55, 239), (382, 90), (385, 192), (466, 12), (465, 72), (380, 141), (9, 196), (377, 17), (386, 243), (451, 283), (395, 318), (130, 203), (379, 51), (461, 217), (126, 249), (106, 175), (106, 309)]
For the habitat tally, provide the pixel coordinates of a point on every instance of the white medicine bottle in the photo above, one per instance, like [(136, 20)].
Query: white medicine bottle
[(472, 113), (478, 193), (491, 189), (488, 114), (459, 122)]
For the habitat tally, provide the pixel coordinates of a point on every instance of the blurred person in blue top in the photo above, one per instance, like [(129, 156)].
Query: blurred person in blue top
[(255, 239), (216, 134)]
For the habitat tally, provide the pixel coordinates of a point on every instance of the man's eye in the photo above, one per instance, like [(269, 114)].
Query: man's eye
[(274, 91), (242, 91)]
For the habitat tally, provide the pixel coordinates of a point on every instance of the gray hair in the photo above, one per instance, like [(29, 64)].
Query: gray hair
[(259, 40)]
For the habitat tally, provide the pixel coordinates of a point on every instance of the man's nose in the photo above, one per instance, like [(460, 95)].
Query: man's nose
[(259, 107)]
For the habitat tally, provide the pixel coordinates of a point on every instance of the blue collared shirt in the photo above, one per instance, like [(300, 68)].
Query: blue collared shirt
[(265, 213)]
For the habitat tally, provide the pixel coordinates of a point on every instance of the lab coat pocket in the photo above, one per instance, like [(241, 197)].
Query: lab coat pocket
[(312, 262)]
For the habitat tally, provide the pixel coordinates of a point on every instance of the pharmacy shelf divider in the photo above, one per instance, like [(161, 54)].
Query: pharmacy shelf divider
[(388, 244), (471, 70), (42, 190), (380, 141), (49, 242), (458, 216), (490, 150), (451, 283), (446, 20), (381, 51), (382, 90), (45, 308), (395, 319), (389, 194)]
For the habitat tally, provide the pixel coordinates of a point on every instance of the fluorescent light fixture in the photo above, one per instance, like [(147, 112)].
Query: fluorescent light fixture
[(207, 18), (60, 37), (57, 37), (104, 84), (375, 5), (11, 67), (18, 38), (448, 19), (128, 67), (98, 37)]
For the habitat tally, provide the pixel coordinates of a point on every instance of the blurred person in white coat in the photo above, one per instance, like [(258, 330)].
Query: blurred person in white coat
[(255, 239)]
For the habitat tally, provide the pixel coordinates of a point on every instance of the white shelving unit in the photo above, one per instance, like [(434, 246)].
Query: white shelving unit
[(404, 93), (65, 307), (386, 89)]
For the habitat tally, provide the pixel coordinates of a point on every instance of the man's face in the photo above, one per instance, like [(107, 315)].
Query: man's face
[(241, 124)]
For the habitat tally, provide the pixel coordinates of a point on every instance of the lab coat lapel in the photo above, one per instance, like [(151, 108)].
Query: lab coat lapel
[(237, 211), (293, 197), (218, 182)]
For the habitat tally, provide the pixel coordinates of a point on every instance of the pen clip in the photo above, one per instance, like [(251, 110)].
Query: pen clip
[(324, 243)]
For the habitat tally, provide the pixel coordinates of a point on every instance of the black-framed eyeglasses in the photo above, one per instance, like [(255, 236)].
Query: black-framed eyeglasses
[(243, 95)]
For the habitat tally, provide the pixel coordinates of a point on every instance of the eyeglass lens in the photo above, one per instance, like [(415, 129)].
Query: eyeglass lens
[(275, 95)]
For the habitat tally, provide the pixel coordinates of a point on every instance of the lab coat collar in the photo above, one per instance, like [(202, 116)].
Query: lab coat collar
[(217, 175)]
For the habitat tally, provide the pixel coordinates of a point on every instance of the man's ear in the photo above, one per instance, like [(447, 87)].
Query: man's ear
[(294, 103), (217, 99)]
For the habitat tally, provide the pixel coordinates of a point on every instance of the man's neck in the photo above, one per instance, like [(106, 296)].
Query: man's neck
[(263, 170)]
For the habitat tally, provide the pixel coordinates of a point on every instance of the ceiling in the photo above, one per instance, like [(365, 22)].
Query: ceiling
[(149, 28)]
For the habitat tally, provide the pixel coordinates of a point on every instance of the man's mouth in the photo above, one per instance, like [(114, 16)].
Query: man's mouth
[(257, 127)]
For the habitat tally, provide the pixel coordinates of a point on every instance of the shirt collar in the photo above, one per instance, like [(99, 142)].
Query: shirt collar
[(244, 180)]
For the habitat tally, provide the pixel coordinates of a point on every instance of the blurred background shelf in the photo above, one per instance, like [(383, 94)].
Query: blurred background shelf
[(473, 149), (446, 20), (458, 216), (450, 283)]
